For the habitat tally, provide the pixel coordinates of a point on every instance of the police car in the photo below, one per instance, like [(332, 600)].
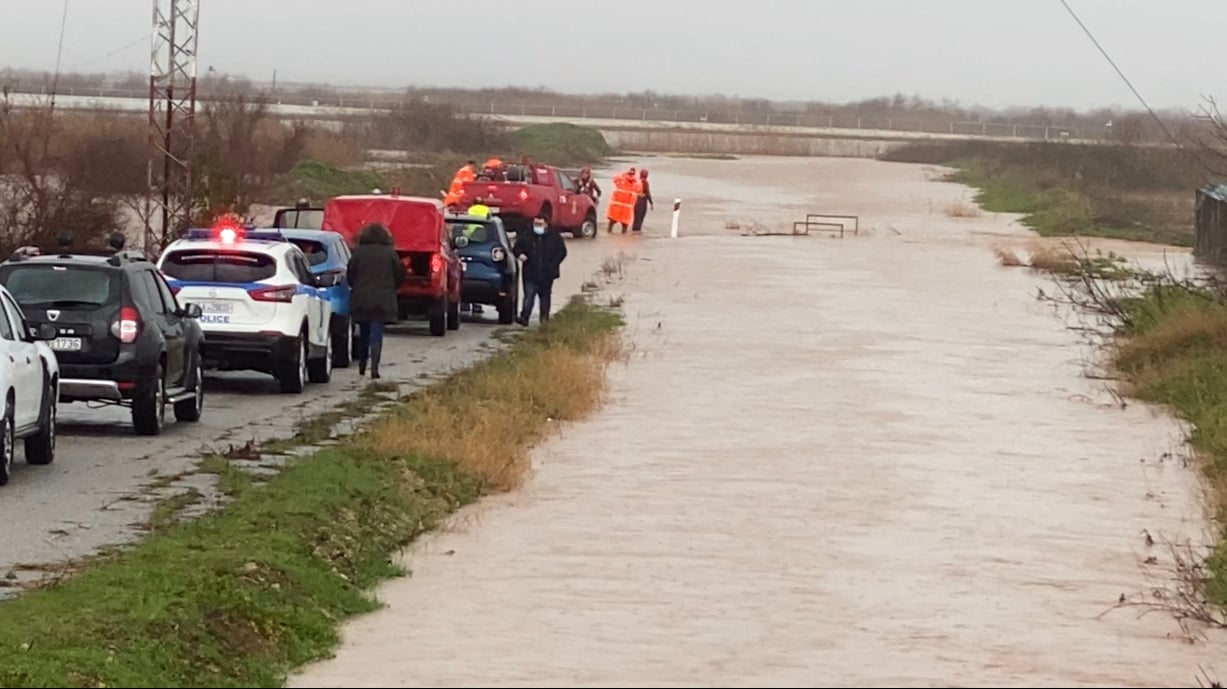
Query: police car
[(262, 308)]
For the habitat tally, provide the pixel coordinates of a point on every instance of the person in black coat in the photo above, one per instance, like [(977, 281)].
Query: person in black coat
[(541, 253), (374, 273)]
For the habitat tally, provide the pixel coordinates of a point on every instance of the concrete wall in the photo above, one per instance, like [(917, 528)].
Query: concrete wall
[(649, 141)]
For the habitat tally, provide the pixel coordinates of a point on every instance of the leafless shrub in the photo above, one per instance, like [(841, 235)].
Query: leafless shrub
[(1179, 593), (430, 127), (50, 181), (962, 210)]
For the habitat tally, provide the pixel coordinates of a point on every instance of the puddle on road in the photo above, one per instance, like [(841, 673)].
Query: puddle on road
[(867, 461)]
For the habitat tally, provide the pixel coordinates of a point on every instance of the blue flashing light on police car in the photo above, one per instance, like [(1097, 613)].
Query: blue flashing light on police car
[(263, 309)]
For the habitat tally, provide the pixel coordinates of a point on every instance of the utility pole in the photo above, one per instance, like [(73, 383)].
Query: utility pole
[(172, 114)]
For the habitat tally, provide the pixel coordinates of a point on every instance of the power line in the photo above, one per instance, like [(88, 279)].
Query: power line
[(59, 54), (1124, 78)]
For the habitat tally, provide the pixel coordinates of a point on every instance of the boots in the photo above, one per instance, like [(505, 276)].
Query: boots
[(376, 353)]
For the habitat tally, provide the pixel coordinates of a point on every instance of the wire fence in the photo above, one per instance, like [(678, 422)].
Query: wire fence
[(730, 117)]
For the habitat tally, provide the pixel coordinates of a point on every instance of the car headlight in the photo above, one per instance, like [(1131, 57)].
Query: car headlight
[(498, 254)]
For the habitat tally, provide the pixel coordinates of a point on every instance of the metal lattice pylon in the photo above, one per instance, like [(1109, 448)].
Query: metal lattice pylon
[(172, 114)]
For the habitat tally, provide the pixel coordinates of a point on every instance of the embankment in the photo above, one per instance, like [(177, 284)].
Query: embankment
[(1171, 350), (1064, 189), (241, 596), (744, 143)]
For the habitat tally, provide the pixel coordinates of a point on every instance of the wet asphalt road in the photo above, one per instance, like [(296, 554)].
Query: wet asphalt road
[(106, 480)]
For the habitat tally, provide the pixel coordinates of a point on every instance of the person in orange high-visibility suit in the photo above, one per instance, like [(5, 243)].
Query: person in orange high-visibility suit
[(467, 173), (622, 202)]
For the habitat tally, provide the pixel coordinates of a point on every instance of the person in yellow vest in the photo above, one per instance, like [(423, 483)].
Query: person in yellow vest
[(479, 210)]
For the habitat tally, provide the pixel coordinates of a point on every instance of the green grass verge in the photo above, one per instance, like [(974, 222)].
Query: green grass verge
[(564, 144), (1172, 351), (240, 597), (1061, 189)]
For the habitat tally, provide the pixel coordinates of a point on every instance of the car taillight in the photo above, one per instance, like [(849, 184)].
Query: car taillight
[(281, 293), (436, 263), (128, 326), (497, 254)]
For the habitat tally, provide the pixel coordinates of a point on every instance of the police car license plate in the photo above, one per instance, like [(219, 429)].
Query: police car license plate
[(215, 312), (66, 344)]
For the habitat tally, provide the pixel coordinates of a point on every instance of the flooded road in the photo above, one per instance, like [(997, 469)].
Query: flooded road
[(869, 461)]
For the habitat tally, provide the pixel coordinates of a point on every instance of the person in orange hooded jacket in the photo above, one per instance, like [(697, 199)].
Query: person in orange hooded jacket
[(622, 202), (467, 173)]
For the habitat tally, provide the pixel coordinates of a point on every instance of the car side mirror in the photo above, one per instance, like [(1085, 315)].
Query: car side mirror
[(460, 242), (45, 332), (192, 311), (326, 280)]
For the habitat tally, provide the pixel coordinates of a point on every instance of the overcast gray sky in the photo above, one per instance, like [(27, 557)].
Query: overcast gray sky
[(991, 52)]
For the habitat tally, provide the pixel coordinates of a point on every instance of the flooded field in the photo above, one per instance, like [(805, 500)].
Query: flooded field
[(868, 461)]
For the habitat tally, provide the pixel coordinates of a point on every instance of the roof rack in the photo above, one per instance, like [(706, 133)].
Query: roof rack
[(116, 242)]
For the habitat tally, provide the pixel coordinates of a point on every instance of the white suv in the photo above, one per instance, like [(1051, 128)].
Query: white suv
[(262, 308), (30, 384)]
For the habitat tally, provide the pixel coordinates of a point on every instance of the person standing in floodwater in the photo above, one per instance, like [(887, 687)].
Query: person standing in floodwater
[(643, 199), (374, 273), (541, 253)]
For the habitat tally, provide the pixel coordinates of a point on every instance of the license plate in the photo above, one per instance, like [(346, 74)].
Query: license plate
[(66, 344), (217, 307)]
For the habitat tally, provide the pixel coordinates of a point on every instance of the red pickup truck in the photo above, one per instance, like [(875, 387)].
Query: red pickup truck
[(532, 191), (423, 241)]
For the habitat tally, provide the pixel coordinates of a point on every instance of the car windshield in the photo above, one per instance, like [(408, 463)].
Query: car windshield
[(477, 232), (61, 286), (198, 265), (316, 252)]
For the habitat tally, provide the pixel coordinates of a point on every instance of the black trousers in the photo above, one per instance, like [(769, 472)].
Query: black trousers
[(641, 211)]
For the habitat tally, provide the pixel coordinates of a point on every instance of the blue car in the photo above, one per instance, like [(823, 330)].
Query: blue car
[(491, 272), (327, 253)]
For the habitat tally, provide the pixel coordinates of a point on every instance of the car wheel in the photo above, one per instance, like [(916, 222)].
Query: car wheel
[(8, 442), (438, 319), (40, 448), (320, 370), (149, 408), (453, 315), (293, 377), (507, 308), (588, 229), (192, 409)]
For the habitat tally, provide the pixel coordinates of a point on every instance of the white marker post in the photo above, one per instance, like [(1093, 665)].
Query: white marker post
[(677, 215)]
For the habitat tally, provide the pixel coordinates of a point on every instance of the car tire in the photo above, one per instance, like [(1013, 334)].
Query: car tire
[(453, 315), (149, 407), (293, 371), (40, 447), (588, 229), (438, 319), (8, 443), (320, 370), (342, 343), (507, 308), (192, 409)]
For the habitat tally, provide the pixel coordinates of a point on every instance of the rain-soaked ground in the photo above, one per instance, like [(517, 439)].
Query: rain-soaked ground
[(868, 461)]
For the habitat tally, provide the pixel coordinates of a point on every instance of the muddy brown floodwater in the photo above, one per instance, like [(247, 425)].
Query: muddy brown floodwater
[(868, 461)]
